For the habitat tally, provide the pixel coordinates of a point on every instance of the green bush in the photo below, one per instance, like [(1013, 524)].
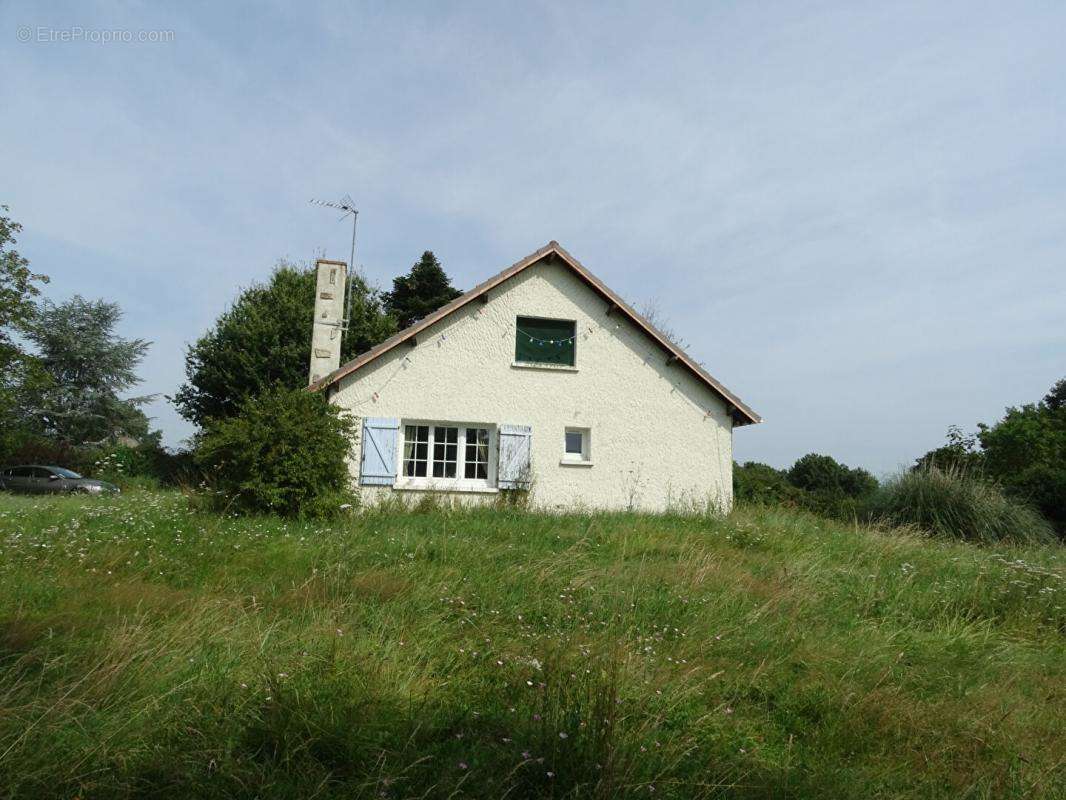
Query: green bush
[(761, 484), (825, 475), (961, 451), (145, 465), (1026, 453), (283, 453), (957, 504)]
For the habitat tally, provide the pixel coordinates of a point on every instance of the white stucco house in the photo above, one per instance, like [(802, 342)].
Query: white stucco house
[(540, 379)]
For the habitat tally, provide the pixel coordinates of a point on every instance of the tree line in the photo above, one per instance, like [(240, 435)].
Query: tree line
[(1016, 463)]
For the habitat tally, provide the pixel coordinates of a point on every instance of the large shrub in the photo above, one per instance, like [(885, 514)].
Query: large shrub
[(1026, 452), (958, 504), (826, 475), (283, 452), (761, 484)]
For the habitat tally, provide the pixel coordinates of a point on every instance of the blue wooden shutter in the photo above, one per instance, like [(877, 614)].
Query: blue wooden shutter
[(515, 462), (378, 467)]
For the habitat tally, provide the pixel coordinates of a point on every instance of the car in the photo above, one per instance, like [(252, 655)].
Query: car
[(38, 479)]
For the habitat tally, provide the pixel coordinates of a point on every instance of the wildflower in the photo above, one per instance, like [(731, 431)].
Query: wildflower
[(526, 755), (550, 774), (562, 735), (463, 765)]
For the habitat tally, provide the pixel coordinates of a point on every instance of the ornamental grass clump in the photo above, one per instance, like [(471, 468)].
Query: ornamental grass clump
[(283, 453), (960, 504)]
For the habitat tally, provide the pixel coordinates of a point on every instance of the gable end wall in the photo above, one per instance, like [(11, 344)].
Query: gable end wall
[(661, 439)]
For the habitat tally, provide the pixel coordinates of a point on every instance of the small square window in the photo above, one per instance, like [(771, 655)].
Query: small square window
[(576, 445)]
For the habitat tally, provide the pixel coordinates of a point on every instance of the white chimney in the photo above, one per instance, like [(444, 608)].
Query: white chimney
[(329, 318)]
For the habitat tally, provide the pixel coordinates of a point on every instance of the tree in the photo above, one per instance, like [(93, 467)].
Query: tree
[(87, 366), (825, 475), (264, 340), (1056, 398), (960, 453), (17, 290), (762, 484), (420, 292), (18, 370), (284, 452), (1026, 452)]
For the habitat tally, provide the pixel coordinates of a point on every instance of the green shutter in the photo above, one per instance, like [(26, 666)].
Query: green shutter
[(545, 341)]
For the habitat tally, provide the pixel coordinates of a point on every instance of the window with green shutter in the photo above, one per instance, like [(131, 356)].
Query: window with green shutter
[(545, 341)]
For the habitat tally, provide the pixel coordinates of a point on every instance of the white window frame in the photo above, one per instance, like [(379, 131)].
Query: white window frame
[(458, 482), (584, 458)]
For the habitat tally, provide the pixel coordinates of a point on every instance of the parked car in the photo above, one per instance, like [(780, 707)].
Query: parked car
[(36, 479)]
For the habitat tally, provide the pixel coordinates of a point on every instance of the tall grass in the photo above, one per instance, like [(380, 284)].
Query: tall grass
[(147, 649), (958, 503)]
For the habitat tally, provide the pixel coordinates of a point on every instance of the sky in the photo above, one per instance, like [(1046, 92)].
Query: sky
[(853, 213)]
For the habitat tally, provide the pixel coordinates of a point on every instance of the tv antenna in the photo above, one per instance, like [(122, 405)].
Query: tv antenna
[(347, 206)]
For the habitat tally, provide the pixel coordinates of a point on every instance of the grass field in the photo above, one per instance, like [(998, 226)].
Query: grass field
[(149, 650)]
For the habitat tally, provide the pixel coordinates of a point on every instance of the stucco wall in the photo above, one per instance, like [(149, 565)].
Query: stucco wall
[(660, 439)]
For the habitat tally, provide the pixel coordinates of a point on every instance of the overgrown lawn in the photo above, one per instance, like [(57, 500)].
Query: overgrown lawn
[(146, 649)]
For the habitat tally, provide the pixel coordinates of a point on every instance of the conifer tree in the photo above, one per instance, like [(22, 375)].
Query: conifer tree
[(420, 292)]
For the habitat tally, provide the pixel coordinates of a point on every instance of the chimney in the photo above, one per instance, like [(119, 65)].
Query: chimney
[(329, 318)]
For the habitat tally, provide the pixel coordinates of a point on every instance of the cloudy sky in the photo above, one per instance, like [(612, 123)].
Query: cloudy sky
[(854, 213)]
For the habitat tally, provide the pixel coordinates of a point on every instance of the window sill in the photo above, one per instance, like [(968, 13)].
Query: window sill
[(565, 462), (535, 365), (420, 486)]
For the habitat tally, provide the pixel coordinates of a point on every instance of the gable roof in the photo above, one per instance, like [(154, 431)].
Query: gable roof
[(742, 414)]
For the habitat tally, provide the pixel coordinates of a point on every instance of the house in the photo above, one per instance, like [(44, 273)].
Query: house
[(540, 379)]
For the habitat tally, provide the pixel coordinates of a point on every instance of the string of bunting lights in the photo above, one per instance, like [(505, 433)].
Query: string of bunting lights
[(557, 342)]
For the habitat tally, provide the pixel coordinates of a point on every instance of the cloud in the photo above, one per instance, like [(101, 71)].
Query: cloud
[(852, 213)]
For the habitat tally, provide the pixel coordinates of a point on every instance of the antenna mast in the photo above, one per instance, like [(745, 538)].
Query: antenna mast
[(347, 205)]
